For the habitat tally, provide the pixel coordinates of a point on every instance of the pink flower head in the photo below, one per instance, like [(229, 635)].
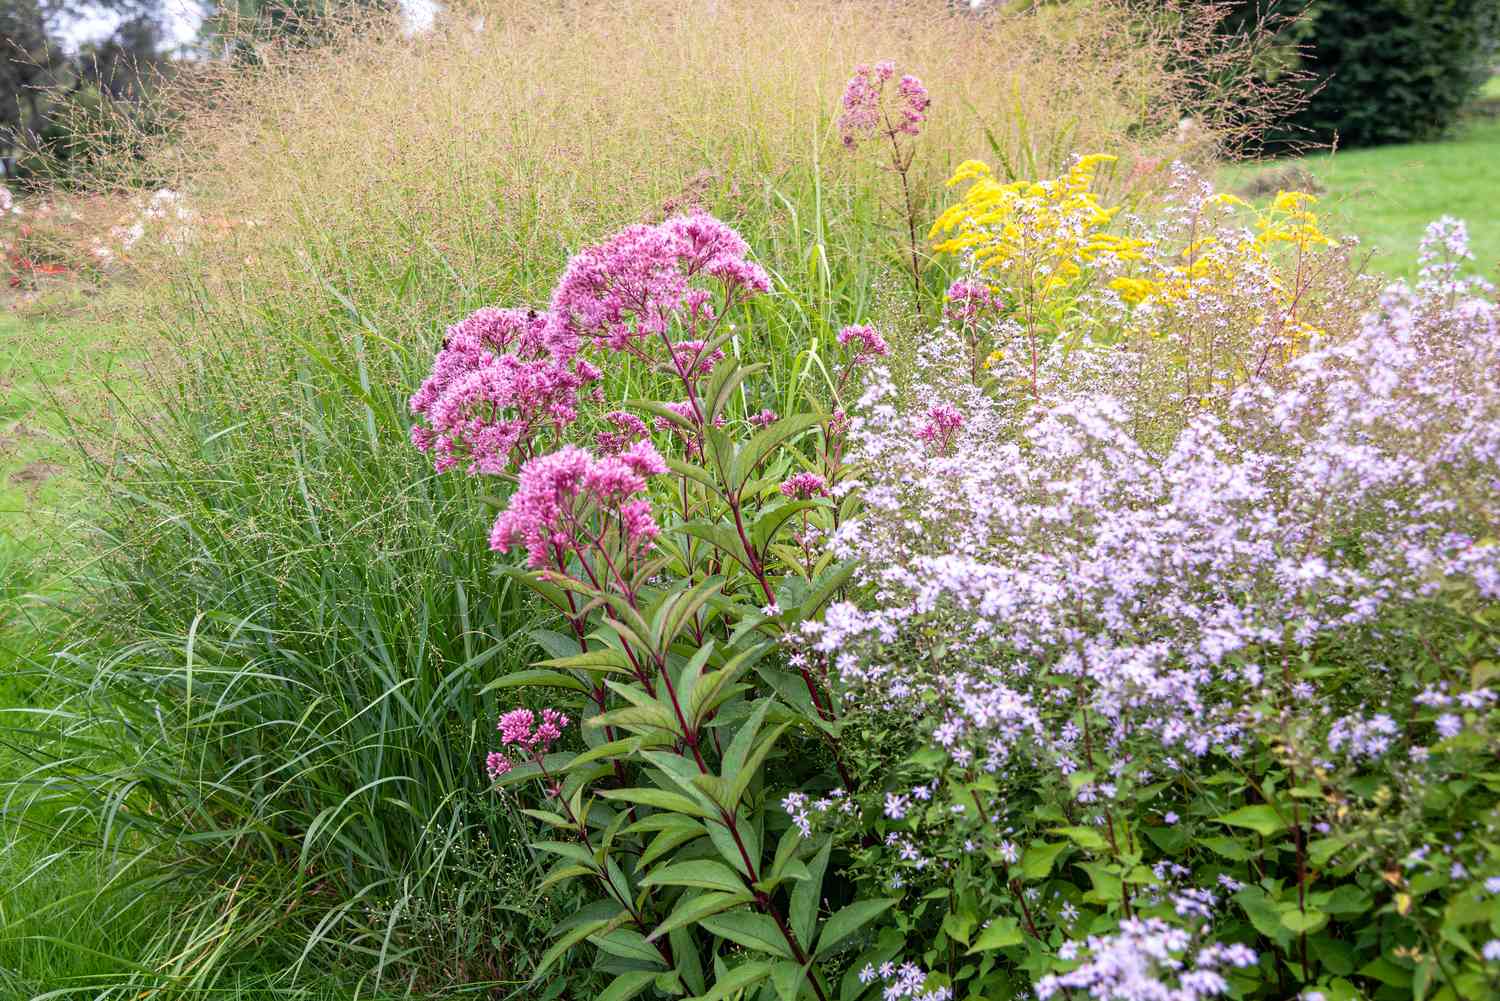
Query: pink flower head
[(560, 491), (633, 286), (863, 343), (497, 764), (519, 728), (692, 361), (492, 388), (628, 429), (764, 419), (805, 485), (941, 427), (967, 300), (867, 113)]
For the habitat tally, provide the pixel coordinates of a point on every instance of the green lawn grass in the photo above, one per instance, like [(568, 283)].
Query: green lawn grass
[(1387, 195)]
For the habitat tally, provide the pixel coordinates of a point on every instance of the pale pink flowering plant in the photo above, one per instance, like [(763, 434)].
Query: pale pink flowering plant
[(875, 111)]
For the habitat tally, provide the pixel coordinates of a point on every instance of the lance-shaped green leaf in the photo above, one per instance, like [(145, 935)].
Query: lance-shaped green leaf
[(555, 643), (727, 376), (716, 686), (721, 537), (744, 739), (564, 872), (694, 472), (569, 850), (750, 768), (535, 678), (751, 930), (627, 943), (807, 894), (788, 978), (658, 409), (573, 934), (694, 907), (846, 922), (549, 592), (705, 874), (628, 985), (672, 838), (738, 979), (763, 442), (661, 799), (600, 660), (770, 522), (678, 608)]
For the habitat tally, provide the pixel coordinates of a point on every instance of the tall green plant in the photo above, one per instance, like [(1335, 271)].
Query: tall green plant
[(676, 646)]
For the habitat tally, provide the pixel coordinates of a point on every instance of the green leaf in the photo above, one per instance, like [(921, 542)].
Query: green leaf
[(562, 945), (1001, 933), (703, 873), (1303, 922), (738, 979), (659, 798), (672, 838), (1262, 819), (601, 660), (1039, 858), (787, 978), (627, 943), (849, 920), (764, 441), (807, 894), (535, 678), (753, 931), (628, 985), (693, 908), (739, 747), (749, 769), (1084, 837)]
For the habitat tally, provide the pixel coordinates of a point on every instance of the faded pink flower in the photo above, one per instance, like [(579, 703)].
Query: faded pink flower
[(864, 343), (941, 427), (869, 112)]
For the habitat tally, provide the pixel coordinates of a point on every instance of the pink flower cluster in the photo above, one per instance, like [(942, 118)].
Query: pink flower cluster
[(492, 388), (569, 500), (519, 729), (805, 485), (866, 113), (633, 286), (941, 428), (628, 429), (968, 300), (863, 343)]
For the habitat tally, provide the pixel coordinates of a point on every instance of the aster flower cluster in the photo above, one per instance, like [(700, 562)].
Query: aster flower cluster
[(1154, 576), (1147, 959)]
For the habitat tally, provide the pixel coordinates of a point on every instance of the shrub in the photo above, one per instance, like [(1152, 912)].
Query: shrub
[(1386, 71)]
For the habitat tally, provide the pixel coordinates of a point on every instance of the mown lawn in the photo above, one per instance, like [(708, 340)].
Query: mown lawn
[(1388, 195)]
